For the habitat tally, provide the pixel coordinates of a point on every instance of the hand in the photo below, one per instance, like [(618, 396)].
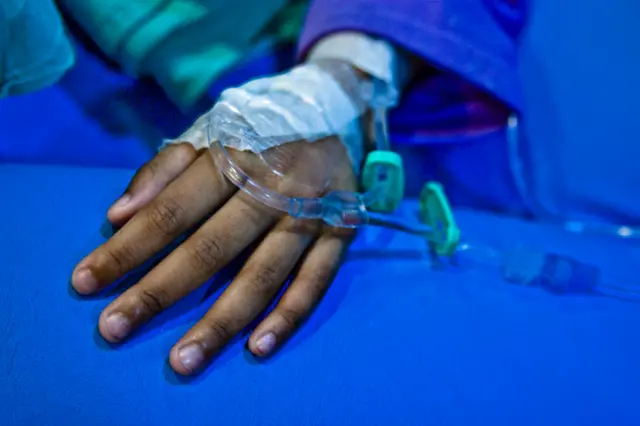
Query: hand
[(179, 189)]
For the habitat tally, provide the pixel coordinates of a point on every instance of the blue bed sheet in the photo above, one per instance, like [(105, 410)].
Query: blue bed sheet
[(393, 343)]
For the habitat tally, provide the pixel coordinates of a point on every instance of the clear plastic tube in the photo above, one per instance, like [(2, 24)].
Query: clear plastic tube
[(407, 227), (559, 274), (528, 266), (514, 138), (337, 208)]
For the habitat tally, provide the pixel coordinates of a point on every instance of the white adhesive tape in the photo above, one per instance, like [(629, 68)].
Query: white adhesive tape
[(375, 57), (306, 103)]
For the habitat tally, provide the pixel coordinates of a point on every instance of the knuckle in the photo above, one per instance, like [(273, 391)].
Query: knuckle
[(153, 302), (183, 151), (263, 279), (207, 252), (120, 259), (292, 315), (319, 278), (165, 216), (219, 329)]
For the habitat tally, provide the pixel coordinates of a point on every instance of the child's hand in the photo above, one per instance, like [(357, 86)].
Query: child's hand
[(175, 192)]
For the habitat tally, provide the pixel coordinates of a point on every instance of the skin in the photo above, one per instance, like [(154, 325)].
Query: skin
[(180, 189)]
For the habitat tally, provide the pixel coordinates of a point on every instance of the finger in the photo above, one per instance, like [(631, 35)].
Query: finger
[(223, 237), (305, 291), (200, 188), (151, 179), (248, 295)]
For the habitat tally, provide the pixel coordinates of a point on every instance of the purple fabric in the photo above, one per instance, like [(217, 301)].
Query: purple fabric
[(470, 43)]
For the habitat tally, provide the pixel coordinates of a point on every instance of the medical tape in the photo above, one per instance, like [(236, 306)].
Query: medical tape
[(310, 102), (375, 57), (306, 103)]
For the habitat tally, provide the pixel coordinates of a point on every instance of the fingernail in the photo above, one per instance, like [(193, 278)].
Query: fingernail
[(118, 326), (121, 203), (83, 281), (191, 356), (266, 343)]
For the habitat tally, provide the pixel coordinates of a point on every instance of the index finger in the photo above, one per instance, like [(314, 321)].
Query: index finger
[(186, 201)]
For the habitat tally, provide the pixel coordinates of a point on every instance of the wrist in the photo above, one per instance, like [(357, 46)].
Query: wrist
[(374, 59)]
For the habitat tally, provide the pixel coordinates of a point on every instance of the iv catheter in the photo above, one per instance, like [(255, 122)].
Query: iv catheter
[(383, 182), (558, 274), (526, 266), (382, 175)]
